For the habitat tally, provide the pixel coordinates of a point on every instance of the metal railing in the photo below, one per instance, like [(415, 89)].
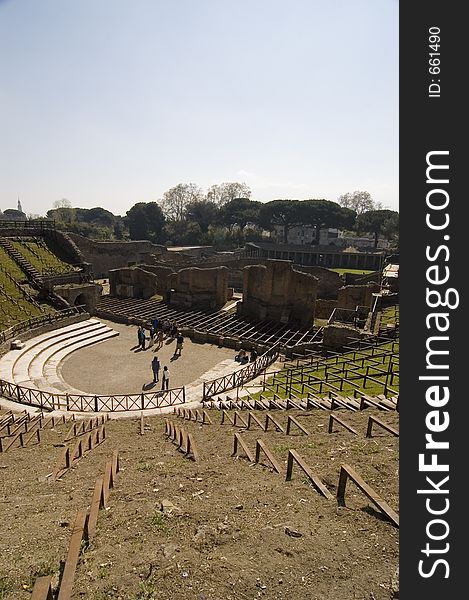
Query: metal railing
[(91, 403), (242, 376), (32, 224)]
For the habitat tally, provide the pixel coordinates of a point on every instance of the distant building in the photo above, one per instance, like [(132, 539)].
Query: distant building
[(12, 214), (304, 235), (330, 256)]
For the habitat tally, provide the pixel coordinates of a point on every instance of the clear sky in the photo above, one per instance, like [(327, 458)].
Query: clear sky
[(112, 102)]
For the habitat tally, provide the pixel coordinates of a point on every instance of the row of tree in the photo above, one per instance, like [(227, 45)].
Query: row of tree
[(224, 218)]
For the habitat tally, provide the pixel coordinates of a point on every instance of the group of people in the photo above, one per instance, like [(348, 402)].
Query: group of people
[(157, 333), (242, 356), (158, 329)]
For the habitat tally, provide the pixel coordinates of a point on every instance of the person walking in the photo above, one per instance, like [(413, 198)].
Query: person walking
[(159, 339), (179, 343), (165, 379), (155, 367)]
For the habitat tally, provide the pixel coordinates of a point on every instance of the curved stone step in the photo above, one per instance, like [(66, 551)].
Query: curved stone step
[(8, 361), (39, 362), (51, 379), (20, 371)]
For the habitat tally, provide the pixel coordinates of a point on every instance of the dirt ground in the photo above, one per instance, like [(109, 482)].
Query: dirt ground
[(230, 529)]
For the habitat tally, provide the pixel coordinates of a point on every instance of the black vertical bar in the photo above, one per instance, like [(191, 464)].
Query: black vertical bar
[(433, 237)]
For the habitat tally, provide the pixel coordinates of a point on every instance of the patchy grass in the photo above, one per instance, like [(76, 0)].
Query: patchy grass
[(158, 521), (390, 315), (41, 258), (354, 271), (15, 305), (346, 374)]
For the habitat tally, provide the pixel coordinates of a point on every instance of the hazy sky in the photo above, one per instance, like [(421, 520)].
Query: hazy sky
[(112, 102)]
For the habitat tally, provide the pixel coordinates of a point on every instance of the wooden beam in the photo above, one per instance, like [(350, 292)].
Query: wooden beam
[(268, 418), (206, 418), (372, 420), (66, 584), (238, 440), (225, 414), (292, 420), (237, 417), (293, 456), (261, 446), (191, 448), (345, 472), (253, 417), (333, 418), (42, 589), (96, 502)]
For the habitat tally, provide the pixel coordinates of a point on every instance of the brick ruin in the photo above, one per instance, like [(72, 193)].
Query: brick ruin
[(278, 292), (77, 294), (351, 296), (199, 288), (133, 282), (274, 289)]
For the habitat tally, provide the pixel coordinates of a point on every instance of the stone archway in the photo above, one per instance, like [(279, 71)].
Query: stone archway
[(87, 294), (80, 300)]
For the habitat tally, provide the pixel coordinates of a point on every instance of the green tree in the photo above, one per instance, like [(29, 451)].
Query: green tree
[(63, 216), (285, 213), (324, 214), (203, 212), (379, 222), (183, 233), (145, 221), (240, 212)]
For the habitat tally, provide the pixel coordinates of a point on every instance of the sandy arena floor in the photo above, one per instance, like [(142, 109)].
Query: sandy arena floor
[(117, 366)]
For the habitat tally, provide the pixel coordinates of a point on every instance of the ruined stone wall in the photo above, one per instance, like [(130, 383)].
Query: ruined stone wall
[(351, 296), (329, 282), (278, 292), (162, 273), (199, 288), (324, 308), (336, 336), (132, 282), (76, 294), (105, 256)]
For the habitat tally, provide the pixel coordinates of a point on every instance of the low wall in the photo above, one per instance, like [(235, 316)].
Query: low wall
[(324, 308), (113, 255), (44, 328)]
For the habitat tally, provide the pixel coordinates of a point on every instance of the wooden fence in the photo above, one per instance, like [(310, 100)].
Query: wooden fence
[(91, 403), (242, 376)]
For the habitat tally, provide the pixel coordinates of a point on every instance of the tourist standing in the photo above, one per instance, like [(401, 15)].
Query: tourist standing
[(142, 337), (139, 337), (165, 379), (155, 367), (179, 343)]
